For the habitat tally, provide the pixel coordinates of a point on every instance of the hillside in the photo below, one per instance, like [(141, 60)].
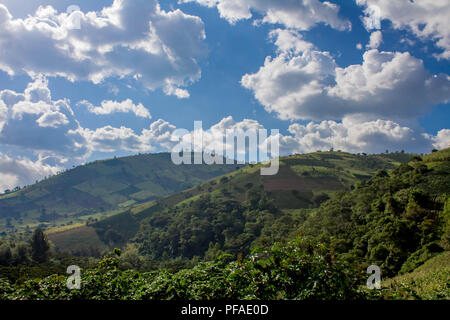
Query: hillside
[(299, 179), (430, 281), (221, 240), (396, 220), (303, 182), (98, 190)]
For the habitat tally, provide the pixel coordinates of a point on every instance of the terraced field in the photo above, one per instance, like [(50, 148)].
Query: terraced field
[(99, 189)]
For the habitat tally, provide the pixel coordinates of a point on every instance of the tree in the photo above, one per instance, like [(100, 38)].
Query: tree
[(5, 255), (318, 199), (40, 248)]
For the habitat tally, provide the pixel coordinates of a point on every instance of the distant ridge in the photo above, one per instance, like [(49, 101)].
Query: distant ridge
[(100, 189)]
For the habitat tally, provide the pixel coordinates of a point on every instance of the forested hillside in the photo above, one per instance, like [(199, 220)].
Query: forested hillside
[(231, 210), (229, 239), (396, 220)]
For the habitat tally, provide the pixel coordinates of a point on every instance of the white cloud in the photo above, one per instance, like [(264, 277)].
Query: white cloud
[(372, 17), (33, 121), (302, 82), (427, 19), (110, 139), (53, 119), (3, 113), (131, 38), (158, 136), (351, 135), (170, 90), (356, 136), (214, 138), (441, 140), (109, 107), (376, 38), (22, 171), (297, 14)]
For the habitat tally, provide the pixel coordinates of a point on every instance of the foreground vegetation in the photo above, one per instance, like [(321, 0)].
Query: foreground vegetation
[(230, 238), (297, 270)]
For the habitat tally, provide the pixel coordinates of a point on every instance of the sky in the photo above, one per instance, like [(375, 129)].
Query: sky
[(86, 80)]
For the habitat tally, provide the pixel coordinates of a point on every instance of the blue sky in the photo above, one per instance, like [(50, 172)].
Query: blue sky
[(131, 74)]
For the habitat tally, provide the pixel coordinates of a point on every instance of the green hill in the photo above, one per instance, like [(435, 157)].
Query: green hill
[(98, 190), (396, 220), (248, 207), (231, 238), (299, 179)]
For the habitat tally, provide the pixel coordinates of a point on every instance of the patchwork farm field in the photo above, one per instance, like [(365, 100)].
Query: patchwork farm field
[(99, 187), (76, 239)]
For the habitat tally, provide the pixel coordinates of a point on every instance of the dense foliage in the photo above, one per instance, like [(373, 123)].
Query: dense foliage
[(211, 225), (396, 220), (297, 270)]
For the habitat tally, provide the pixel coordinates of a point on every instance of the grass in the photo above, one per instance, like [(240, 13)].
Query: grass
[(127, 204), (441, 155), (143, 206), (143, 194), (430, 281), (76, 238), (64, 228)]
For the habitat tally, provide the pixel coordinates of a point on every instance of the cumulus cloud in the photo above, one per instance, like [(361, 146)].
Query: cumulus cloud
[(157, 138), (53, 119), (302, 82), (215, 138), (376, 38), (159, 135), (135, 39), (110, 139), (33, 121), (109, 107), (297, 14), (427, 19), (356, 136), (441, 140), (350, 134), (22, 171)]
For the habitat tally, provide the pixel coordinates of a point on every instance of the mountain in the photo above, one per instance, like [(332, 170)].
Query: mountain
[(244, 204), (99, 189)]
